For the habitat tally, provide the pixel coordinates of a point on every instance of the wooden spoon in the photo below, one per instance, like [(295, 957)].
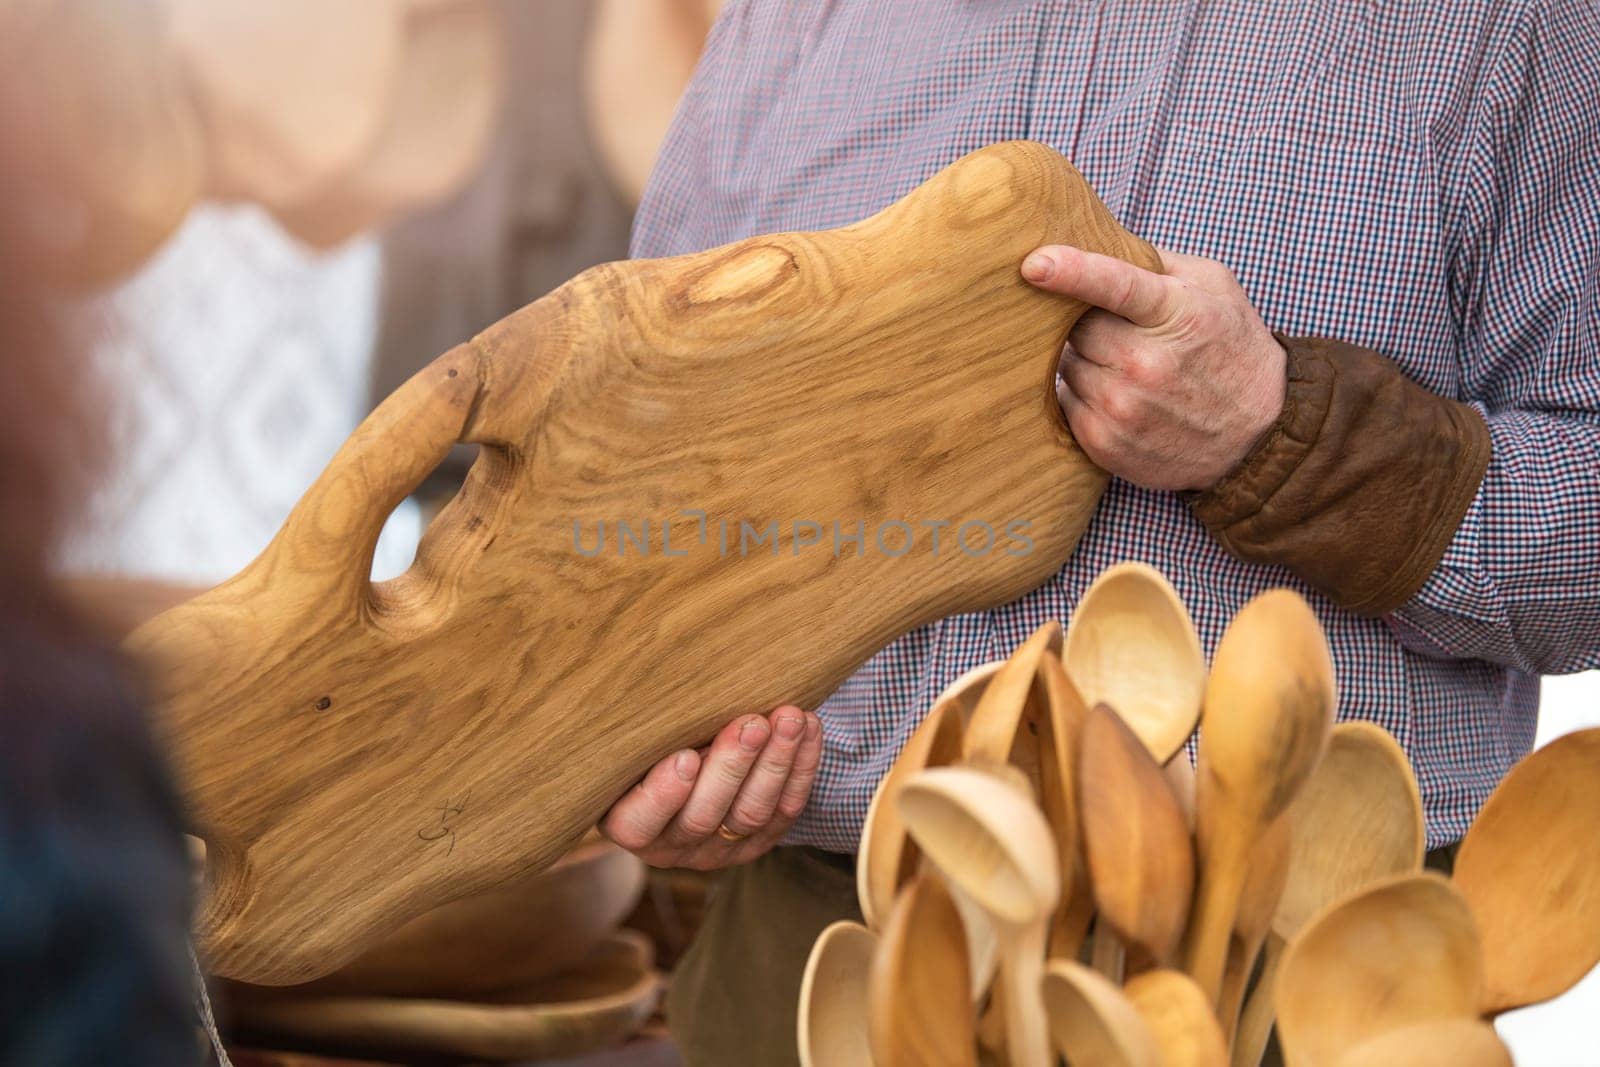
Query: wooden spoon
[(1092, 1023), (1059, 739), (992, 731), (887, 858), (1357, 820), (919, 992), (1179, 1018), (1132, 645), (1450, 1043), (1258, 903), (1401, 952), (993, 842), (833, 1026), (1141, 861), (1269, 705), (1530, 869)]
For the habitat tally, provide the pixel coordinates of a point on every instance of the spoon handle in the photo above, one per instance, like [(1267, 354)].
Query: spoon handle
[(1216, 907), (1255, 1024), (1027, 1029)]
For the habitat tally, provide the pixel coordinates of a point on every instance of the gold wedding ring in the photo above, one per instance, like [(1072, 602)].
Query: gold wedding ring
[(728, 835)]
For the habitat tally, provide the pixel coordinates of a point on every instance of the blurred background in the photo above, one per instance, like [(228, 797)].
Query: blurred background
[(242, 224), (249, 222)]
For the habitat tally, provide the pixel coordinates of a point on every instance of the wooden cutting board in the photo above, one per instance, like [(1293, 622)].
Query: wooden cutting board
[(355, 754)]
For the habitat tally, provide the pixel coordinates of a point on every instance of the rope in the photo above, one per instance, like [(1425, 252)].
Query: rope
[(208, 1020)]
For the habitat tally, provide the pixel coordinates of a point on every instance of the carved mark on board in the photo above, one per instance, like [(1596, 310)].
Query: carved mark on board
[(443, 830)]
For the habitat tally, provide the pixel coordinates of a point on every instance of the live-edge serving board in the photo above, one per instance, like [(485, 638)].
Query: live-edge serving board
[(355, 754)]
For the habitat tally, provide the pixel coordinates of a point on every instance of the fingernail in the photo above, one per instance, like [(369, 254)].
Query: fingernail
[(790, 726), (1038, 267), (685, 765), (813, 727), (752, 735)]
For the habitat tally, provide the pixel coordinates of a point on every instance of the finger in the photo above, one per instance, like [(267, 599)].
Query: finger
[(797, 790), (1088, 427), (1138, 295), (722, 772), (1103, 338), (1088, 381), (637, 820), (753, 807)]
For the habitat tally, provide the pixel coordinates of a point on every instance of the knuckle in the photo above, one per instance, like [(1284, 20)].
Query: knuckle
[(1119, 405), (1095, 436), (732, 772), (751, 814), (791, 808), (696, 827), (628, 837)]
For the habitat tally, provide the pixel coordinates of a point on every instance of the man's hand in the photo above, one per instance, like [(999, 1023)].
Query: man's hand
[(1169, 380), (726, 804)]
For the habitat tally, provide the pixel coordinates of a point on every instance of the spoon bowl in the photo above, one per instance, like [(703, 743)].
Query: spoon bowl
[(1179, 1018), (1399, 953), (833, 1021), (1132, 645), (1530, 870), (1135, 838), (1092, 1022)]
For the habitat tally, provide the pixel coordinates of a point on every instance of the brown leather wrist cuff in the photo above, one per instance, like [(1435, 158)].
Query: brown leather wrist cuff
[(1359, 486)]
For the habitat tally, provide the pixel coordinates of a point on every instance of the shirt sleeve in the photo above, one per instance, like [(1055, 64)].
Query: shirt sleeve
[(1519, 584)]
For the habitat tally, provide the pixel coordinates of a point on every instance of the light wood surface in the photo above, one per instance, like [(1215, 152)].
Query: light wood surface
[(834, 998), (1140, 857), (1269, 705), (1132, 645), (598, 1004), (1530, 869), (1092, 1023), (1179, 1018), (1401, 952), (920, 989), (357, 754)]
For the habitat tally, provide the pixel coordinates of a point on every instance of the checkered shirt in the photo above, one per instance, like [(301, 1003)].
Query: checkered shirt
[(1421, 178)]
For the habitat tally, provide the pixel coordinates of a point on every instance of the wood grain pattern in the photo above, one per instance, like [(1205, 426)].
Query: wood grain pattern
[(356, 754)]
